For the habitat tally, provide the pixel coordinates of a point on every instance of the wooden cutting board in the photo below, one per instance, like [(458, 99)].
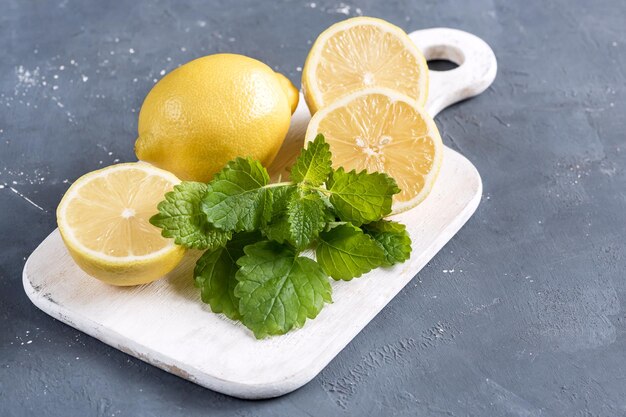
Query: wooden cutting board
[(166, 324)]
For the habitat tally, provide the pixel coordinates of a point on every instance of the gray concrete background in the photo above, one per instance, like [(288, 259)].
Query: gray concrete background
[(521, 314)]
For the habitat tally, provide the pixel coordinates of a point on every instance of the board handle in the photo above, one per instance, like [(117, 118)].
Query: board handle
[(477, 65)]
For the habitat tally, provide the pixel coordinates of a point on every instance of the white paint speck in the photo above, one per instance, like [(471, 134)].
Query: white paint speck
[(27, 78), (162, 72), (84, 78), (29, 342), (183, 49), (131, 51), (342, 8), (201, 23), (299, 69)]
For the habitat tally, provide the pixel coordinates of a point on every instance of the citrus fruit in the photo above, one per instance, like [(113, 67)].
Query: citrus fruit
[(382, 130), (211, 110), (103, 220), (360, 53)]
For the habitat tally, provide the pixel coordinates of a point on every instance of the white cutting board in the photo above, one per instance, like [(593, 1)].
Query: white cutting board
[(166, 324)]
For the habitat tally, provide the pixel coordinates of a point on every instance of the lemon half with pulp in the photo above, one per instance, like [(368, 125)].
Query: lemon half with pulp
[(104, 221)]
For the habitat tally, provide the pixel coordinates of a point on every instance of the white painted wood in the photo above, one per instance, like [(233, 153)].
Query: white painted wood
[(166, 324)]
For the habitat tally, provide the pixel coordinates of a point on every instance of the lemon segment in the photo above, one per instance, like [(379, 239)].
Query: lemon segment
[(104, 217), (360, 53), (382, 130)]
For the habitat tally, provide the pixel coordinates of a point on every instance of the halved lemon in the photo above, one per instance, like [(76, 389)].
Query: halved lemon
[(104, 221), (382, 130), (360, 53)]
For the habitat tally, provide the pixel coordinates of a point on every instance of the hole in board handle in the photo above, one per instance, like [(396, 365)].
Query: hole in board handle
[(441, 65), (444, 57)]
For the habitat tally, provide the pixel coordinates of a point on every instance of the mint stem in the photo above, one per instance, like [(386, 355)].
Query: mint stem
[(279, 184)]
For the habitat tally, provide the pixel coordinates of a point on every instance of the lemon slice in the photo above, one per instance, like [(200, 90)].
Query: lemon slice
[(382, 130), (360, 53), (104, 221)]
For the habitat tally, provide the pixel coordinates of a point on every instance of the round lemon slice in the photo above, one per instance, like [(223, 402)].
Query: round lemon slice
[(382, 130), (104, 221), (360, 53)]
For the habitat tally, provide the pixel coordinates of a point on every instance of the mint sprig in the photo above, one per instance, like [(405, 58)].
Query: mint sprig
[(254, 232)]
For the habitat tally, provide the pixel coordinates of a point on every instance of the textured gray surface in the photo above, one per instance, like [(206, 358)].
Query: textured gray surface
[(521, 314)]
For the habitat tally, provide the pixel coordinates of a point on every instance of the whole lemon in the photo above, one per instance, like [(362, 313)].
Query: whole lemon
[(211, 110)]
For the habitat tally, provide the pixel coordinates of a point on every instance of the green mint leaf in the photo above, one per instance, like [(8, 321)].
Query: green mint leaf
[(181, 218), (215, 274), (393, 238), (345, 252), (237, 199), (313, 166), (280, 199), (361, 197), (277, 289), (306, 216), (278, 228), (297, 217)]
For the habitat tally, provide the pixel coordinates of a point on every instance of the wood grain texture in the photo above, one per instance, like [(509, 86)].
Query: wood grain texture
[(166, 324)]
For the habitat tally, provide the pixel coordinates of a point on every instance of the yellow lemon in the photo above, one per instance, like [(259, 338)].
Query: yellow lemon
[(104, 221), (211, 110), (359, 53), (382, 130)]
